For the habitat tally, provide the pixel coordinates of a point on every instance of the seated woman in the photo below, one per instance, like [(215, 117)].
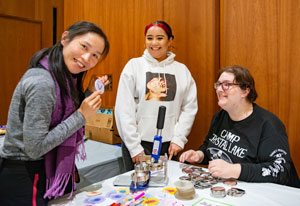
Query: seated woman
[(245, 141)]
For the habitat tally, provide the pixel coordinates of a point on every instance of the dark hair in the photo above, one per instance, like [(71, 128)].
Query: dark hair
[(57, 65), (242, 77), (162, 25)]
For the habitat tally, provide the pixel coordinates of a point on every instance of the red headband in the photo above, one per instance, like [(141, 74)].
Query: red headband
[(161, 26)]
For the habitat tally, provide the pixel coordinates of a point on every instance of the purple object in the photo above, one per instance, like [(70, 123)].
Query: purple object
[(94, 200), (60, 161), (99, 85)]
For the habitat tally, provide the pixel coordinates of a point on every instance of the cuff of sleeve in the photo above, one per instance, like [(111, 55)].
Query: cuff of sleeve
[(180, 141), (243, 172), (136, 150), (205, 159), (81, 117)]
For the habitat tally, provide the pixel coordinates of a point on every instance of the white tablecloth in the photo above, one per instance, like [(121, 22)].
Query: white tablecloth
[(1, 140), (103, 161), (256, 193)]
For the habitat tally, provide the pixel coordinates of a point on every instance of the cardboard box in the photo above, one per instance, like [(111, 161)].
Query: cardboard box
[(101, 127)]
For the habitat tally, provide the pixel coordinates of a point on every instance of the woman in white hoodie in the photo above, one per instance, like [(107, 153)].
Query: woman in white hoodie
[(146, 83)]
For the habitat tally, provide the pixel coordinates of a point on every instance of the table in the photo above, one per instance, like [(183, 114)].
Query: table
[(1, 140), (103, 161), (256, 193)]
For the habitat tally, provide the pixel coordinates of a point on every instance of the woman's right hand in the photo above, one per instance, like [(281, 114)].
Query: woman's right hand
[(104, 80), (192, 156), (91, 104)]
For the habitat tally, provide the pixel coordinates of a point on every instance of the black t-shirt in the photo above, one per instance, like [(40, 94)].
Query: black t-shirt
[(259, 143)]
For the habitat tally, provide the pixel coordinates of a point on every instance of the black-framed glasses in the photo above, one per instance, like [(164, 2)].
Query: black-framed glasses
[(225, 85)]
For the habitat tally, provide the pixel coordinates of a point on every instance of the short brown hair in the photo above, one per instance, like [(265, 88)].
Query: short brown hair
[(242, 77)]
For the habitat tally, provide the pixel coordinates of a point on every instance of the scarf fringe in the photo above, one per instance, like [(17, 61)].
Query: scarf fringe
[(56, 186)]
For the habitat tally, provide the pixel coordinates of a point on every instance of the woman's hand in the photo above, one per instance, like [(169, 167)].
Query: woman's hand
[(173, 150), (104, 80), (136, 158), (90, 105), (222, 169), (192, 156)]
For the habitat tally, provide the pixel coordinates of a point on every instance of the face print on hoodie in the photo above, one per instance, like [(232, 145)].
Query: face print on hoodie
[(160, 87)]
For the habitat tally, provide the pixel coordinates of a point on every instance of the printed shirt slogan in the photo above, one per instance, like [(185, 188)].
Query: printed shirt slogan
[(227, 141)]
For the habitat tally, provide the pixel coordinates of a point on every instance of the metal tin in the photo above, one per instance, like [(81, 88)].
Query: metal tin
[(230, 182), (202, 184), (218, 192), (185, 178), (236, 192), (187, 170), (193, 176)]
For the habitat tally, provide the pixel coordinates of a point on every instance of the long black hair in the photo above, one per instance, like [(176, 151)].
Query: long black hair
[(57, 64)]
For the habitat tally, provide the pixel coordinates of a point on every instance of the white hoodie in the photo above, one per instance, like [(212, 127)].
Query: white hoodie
[(136, 117)]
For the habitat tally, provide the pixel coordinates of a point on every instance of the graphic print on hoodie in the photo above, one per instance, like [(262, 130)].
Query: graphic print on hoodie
[(160, 87)]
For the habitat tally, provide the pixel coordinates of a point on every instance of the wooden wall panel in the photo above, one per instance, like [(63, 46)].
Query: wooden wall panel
[(195, 25), (44, 12), (289, 70), (40, 11), (264, 36), (19, 8), (195, 42), (20, 39), (124, 23)]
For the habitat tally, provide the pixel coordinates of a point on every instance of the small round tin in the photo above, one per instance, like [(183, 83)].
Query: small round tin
[(218, 192), (187, 170), (236, 192), (185, 178), (230, 182)]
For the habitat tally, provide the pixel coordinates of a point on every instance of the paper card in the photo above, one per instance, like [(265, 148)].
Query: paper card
[(209, 202)]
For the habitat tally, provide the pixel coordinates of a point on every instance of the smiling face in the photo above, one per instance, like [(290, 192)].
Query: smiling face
[(157, 43), (232, 97), (83, 52)]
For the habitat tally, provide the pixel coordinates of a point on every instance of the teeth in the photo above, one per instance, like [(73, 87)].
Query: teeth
[(80, 64)]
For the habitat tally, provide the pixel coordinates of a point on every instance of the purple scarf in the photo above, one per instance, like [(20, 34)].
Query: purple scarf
[(60, 161)]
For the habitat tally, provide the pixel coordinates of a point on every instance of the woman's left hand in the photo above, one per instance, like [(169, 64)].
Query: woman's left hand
[(222, 169), (173, 150)]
